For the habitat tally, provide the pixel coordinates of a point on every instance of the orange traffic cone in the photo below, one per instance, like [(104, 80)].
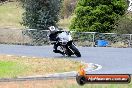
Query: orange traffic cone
[(82, 71)]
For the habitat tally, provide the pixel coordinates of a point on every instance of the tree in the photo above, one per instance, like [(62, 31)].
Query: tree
[(39, 14), (97, 15), (2, 1)]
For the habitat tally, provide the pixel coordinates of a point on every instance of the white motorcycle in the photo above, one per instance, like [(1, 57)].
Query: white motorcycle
[(66, 44)]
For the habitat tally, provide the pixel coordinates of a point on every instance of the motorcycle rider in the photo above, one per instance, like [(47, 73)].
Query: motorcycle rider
[(53, 37)]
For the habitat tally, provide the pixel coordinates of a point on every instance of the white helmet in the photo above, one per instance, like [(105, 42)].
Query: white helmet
[(52, 28)]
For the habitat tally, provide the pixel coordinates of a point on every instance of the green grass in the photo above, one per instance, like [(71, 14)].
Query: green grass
[(11, 15), (15, 66), (10, 69)]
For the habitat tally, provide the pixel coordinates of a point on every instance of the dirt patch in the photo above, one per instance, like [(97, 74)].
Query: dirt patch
[(38, 84)]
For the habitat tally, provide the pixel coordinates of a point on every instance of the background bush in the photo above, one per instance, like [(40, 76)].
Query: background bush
[(97, 15), (40, 14), (124, 25)]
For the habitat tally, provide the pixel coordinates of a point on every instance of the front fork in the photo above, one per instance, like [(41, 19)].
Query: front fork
[(66, 48), (70, 44)]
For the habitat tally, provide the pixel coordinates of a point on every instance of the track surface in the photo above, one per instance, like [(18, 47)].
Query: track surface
[(112, 60)]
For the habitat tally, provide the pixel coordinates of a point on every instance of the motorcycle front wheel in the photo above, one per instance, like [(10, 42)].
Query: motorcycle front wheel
[(75, 50)]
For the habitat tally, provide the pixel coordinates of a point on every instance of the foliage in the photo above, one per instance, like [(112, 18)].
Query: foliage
[(124, 25), (40, 14), (10, 68), (2, 1), (97, 15)]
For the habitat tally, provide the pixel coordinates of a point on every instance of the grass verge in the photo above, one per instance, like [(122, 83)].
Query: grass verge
[(14, 66), (10, 69), (11, 15), (65, 23)]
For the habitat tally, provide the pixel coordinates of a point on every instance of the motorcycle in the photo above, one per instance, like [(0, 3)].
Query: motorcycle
[(66, 44)]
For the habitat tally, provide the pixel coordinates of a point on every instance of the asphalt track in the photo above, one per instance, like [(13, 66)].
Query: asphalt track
[(112, 60)]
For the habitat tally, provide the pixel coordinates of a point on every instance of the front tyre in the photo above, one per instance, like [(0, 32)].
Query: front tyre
[(75, 50)]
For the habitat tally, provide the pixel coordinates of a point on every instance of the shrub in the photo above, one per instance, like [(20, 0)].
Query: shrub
[(97, 15)]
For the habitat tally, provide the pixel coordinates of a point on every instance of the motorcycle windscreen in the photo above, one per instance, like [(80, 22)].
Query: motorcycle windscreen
[(65, 36)]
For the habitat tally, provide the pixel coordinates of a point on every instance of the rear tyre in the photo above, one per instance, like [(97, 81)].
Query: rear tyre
[(75, 50)]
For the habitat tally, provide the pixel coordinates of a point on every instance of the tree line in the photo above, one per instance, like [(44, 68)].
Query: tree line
[(89, 15)]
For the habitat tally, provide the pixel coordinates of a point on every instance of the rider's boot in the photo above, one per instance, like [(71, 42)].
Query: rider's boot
[(58, 51)]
